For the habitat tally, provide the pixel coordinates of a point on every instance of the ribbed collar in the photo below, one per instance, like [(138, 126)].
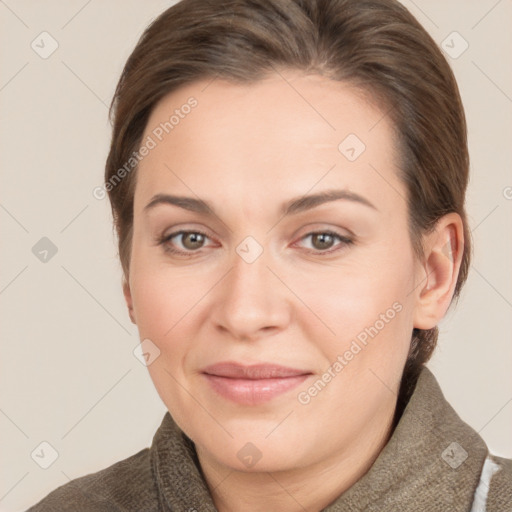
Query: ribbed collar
[(431, 462)]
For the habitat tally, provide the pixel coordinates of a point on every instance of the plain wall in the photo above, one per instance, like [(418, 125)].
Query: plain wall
[(68, 373)]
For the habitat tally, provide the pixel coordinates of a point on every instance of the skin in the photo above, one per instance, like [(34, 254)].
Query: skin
[(247, 150)]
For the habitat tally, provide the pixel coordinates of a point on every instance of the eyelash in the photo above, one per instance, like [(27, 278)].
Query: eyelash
[(345, 241)]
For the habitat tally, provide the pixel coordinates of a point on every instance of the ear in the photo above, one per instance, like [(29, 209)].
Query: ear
[(128, 297), (439, 271)]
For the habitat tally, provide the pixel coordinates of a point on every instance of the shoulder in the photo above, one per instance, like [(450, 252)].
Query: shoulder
[(499, 498), (126, 485)]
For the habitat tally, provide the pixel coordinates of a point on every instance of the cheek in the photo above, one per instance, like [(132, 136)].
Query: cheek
[(362, 302), (154, 303), (163, 310), (353, 297), (169, 308), (371, 316), (161, 295), (159, 304)]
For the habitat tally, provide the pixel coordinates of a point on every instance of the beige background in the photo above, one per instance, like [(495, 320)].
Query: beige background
[(68, 375)]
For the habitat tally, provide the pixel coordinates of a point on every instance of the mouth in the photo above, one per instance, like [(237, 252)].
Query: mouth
[(252, 384)]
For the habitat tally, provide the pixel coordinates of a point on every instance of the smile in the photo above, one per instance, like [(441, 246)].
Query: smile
[(252, 385)]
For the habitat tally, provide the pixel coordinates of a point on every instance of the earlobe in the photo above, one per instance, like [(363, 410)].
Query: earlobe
[(128, 298), (441, 265)]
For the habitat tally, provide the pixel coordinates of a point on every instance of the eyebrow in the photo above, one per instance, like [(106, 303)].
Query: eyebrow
[(291, 207)]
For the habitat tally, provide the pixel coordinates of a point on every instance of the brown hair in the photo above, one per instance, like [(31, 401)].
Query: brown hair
[(376, 45)]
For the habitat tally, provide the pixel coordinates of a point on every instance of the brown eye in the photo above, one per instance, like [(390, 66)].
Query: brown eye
[(184, 242), (322, 241), (192, 240), (325, 242)]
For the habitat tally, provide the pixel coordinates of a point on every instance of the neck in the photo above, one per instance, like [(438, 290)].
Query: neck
[(310, 488)]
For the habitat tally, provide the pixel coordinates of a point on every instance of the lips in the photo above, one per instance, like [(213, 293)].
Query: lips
[(252, 384), (252, 372)]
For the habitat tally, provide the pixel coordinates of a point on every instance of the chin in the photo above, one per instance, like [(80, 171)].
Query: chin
[(252, 453)]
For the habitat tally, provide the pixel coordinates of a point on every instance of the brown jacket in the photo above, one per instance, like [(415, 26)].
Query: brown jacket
[(432, 463)]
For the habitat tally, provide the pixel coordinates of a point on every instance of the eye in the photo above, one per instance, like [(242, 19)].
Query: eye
[(190, 241), (323, 241)]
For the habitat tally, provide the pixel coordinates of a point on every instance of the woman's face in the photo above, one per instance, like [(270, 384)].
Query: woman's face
[(275, 271)]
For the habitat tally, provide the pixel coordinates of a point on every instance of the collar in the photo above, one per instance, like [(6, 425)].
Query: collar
[(432, 461)]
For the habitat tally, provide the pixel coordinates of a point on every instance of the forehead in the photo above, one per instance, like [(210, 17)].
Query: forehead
[(284, 133)]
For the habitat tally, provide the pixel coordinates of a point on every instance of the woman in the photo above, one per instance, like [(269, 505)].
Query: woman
[(287, 181)]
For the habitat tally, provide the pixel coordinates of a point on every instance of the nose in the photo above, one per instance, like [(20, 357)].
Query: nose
[(251, 302)]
